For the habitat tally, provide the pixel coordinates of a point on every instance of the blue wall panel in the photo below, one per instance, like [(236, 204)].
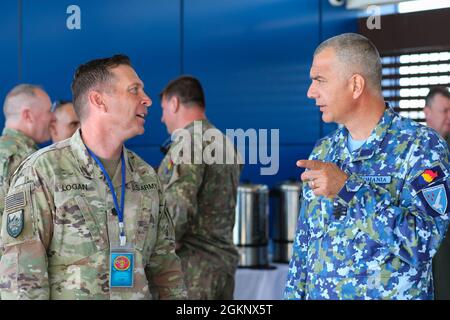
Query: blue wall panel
[(147, 31), (9, 44), (253, 58)]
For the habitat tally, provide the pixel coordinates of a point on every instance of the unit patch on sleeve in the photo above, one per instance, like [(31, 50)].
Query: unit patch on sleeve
[(431, 187), (427, 177), (14, 208), (436, 198), (14, 224), (169, 167)]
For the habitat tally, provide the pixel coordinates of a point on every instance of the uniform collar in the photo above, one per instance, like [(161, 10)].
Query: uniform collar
[(89, 167), (204, 122), (18, 135), (372, 144)]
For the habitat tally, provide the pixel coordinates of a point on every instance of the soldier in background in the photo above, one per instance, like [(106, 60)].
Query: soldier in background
[(85, 218), (66, 121), (437, 116), (201, 196), (437, 111), (375, 198), (27, 120)]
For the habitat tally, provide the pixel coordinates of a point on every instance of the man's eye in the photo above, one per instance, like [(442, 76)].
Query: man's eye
[(134, 90)]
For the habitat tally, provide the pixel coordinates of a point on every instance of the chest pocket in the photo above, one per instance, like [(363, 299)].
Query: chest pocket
[(76, 232), (147, 222)]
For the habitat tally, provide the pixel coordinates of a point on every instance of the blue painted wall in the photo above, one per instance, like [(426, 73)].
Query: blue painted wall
[(9, 49), (252, 56)]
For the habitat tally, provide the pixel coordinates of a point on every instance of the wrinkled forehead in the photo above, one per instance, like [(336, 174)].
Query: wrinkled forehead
[(325, 60), (125, 75)]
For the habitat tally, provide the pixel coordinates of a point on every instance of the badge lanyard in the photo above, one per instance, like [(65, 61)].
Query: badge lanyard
[(122, 236)]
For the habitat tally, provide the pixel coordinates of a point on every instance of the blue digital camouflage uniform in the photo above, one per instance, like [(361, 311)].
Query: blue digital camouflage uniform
[(376, 239)]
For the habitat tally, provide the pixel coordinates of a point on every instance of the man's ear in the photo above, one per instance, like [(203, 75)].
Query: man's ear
[(96, 100), (27, 115), (427, 111), (357, 84), (175, 104)]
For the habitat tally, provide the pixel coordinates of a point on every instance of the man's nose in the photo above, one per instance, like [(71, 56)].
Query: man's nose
[(146, 100), (312, 94)]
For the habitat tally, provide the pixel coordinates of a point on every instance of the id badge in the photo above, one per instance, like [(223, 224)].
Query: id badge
[(121, 263)]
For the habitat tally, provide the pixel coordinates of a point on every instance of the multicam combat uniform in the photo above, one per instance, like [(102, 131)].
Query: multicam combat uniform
[(202, 200), (61, 199), (14, 148), (377, 238), (441, 264)]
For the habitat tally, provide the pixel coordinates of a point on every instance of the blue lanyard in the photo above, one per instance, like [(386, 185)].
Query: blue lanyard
[(122, 237)]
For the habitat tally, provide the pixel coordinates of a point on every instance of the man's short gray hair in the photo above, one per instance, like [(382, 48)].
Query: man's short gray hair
[(358, 55), (17, 96)]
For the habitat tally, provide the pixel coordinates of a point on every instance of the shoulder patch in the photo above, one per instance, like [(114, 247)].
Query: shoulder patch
[(15, 201), (427, 178), (436, 198), (14, 223), (169, 166)]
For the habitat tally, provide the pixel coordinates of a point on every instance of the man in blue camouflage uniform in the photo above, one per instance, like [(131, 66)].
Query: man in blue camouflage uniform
[(375, 205)]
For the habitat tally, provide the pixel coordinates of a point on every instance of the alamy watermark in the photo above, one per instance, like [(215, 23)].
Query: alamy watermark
[(211, 146), (73, 21), (374, 19)]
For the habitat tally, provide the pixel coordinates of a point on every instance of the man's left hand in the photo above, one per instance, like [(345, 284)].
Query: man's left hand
[(324, 178)]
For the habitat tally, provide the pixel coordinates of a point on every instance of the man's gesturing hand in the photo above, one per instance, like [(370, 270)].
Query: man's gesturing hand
[(324, 178)]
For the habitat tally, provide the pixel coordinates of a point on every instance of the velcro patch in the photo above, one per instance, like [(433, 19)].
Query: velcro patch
[(15, 201), (14, 223), (436, 198), (377, 179), (427, 178), (168, 167)]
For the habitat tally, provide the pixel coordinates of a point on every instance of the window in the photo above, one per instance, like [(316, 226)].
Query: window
[(422, 5), (408, 77)]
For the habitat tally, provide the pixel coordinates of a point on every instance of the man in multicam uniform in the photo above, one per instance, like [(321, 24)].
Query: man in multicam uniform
[(437, 116), (60, 222), (200, 196), (375, 205), (27, 119), (65, 121)]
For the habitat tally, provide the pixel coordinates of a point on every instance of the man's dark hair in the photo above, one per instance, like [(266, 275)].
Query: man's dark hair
[(187, 88), (93, 75), (58, 103), (435, 91)]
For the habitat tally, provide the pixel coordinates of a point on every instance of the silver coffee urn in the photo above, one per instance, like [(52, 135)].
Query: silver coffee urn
[(288, 196), (251, 233)]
